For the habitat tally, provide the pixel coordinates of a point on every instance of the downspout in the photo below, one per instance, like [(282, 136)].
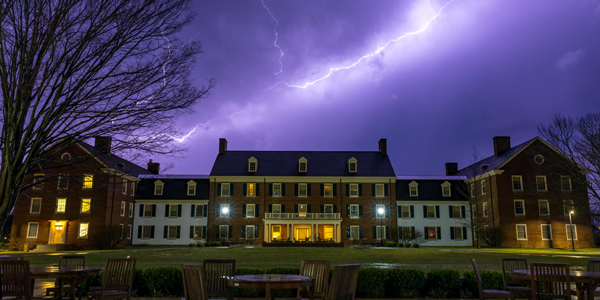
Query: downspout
[(266, 238)]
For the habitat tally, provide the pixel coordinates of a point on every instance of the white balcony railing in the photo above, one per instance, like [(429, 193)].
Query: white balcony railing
[(302, 216)]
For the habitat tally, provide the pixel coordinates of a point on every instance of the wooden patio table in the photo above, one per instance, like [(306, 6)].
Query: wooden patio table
[(75, 275), (586, 282), (270, 282)]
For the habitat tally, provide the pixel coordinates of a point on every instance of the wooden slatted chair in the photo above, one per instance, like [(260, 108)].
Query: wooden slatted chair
[(117, 280), (194, 283), (548, 281), (483, 293), (67, 261), (343, 282), (594, 266), (319, 270), (517, 286), (14, 279), (215, 272)]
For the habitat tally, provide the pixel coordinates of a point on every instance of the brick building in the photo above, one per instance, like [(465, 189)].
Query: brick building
[(521, 197), (76, 195), (302, 195)]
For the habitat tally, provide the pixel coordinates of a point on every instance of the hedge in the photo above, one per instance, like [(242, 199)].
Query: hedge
[(372, 283)]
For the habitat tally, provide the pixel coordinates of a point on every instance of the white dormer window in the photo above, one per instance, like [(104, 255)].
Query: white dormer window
[(252, 164), (352, 167), (302, 165), (191, 188), (446, 189), (413, 189), (158, 187)]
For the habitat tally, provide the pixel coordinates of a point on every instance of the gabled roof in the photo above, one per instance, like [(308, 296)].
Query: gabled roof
[(320, 163), (114, 162), (173, 176), (493, 162), (175, 187), (431, 189)]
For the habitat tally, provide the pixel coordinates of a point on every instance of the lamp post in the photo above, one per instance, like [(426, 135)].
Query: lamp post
[(571, 225), (224, 212), (381, 212)]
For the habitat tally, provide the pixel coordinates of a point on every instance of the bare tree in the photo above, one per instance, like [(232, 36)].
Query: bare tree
[(71, 70)]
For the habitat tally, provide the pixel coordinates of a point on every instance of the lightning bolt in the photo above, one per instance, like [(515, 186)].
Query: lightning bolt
[(276, 37), (379, 49), (184, 137)]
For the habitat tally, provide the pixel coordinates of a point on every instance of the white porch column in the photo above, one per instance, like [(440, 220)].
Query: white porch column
[(288, 231), (312, 232), (339, 233), (292, 232), (266, 232)]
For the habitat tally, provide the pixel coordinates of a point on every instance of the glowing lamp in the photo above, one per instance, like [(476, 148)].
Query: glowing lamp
[(225, 210), (380, 211)]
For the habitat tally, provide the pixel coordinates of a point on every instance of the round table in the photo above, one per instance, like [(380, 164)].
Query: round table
[(76, 275), (270, 282)]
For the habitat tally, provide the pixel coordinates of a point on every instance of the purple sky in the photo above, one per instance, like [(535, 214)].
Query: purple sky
[(478, 70)]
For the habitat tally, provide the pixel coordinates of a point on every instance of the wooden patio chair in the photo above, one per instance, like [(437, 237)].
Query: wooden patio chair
[(516, 286), (594, 266), (14, 279), (117, 280), (319, 270), (343, 282), (67, 261), (194, 284), (215, 271), (548, 281), (495, 294)]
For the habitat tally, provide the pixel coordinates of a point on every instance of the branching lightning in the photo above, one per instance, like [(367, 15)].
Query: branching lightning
[(379, 49), (276, 37), (183, 138)]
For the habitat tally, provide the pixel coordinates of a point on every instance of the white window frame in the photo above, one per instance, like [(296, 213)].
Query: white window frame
[(537, 183), (568, 229), (377, 207), (59, 205), (37, 230), (522, 205), (568, 203), (88, 178), (191, 185), (171, 211), (37, 183), (253, 190), (354, 232), (276, 206), (328, 207), (381, 230), (132, 188), (354, 208), (379, 187), (433, 210), (517, 232), (485, 209), (434, 230), (352, 165), (251, 227), (520, 179), (123, 206), (201, 208), (147, 211), (159, 188), (354, 190), (549, 231), (131, 206), (446, 186), (330, 185), (455, 213), (129, 231), (301, 187), (562, 185), (302, 165), (302, 210), (149, 236), (83, 204), (547, 207), (169, 237), (221, 231), (405, 209), (483, 187), (31, 206), (252, 165), (87, 232), (124, 187), (223, 189), (248, 210), (121, 229), (277, 186), (414, 185), (223, 205), (198, 231), (458, 231)]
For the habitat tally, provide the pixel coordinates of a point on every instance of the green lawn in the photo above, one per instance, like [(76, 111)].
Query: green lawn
[(265, 258)]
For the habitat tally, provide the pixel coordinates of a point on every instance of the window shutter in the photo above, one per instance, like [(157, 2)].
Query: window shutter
[(270, 208), (322, 208), (166, 210), (347, 211), (424, 211), (385, 190), (282, 208), (387, 211), (256, 231), (244, 210), (451, 233), (283, 189), (141, 210), (347, 190), (399, 211), (335, 209), (139, 232), (412, 232), (204, 232), (374, 210), (152, 231), (463, 212), (257, 189), (193, 210), (387, 232), (243, 231), (231, 189), (217, 233), (270, 189), (360, 190), (426, 233), (360, 210), (191, 232), (154, 210), (373, 190), (450, 211), (218, 210), (255, 210), (464, 233), (218, 189), (205, 212), (360, 230), (296, 189), (347, 232), (412, 211), (179, 209), (245, 189), (230, 230), (296, 208), (322, 189), (437, 211), (334, 186), (178, 231), (374, 232), (308, 189), (308, 209), (165, 231), (439, 233)]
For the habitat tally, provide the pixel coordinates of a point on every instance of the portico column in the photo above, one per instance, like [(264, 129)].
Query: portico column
[(288, 231), (292, 232), (265, 233), (312, 232), (339, 233)]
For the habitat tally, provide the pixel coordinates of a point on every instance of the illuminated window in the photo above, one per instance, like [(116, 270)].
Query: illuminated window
[(328, 230), (328, 190), (86, 204), (432, 233), (276, 232), (61, 205), (83, 230), (36, 205), (88, 181), (251, 189), (198, 232), (302, 210)]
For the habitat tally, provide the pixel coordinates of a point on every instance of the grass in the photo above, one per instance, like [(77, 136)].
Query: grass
[(265, 258)]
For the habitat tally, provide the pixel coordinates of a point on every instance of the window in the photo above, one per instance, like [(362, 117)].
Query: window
[(191, 188), (276, 208), (413, 188), (354, 232), (431, 212), (458, 233), (146, 232), (431, 233), (539, 159), (225, 210), (124, 188), (250, 210), (249, 231), (354, 214), (302, 189), (171, 232), (405, 210), (131, 210), (565, 183), (86, 205), (381, 232), (302, 165), (353, 190), (252, 164), (32, 230), (38, 181), (485, 209), (519, 207), (276, 189), (121, 228), (173, 211), (382, 208), (132, 188), (123, 205), (407, 233), (517, 183), (328, 208), (567, 206), (546, 232), (302, 210), (83, 230), (147, 210), (472, 190), (544, 211), (61, 205), (352, 166), (379, 191), (223, 231), (36, 206), (129, 231), (486, 231), (328, 190), (197, 233), (199, 211), (276, 232), (88, 181), (158, 187), (63, 181), (483, 188), (251, 189), (65, 157), (571, 232), (521, 232), (457, 212), (446, 191), (225, 189), (541, 183)]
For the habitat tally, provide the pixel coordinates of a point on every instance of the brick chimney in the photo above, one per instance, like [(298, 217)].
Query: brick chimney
[(103, 143), (451, 169), (153, 167), (501, 144), (222, 145), (383, 146)]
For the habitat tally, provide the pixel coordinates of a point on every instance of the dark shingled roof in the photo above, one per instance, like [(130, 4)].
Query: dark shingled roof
[(430, 190), (320, 163), (113, 161), (174, 189), (492, 162)]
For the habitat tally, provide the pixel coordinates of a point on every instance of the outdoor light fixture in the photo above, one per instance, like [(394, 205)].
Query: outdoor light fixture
[(571, 226), (381, 212), (225, 210), (58, 226)]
